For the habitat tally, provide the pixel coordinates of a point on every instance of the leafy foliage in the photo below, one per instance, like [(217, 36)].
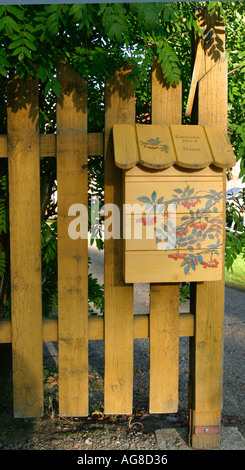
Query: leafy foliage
[(235, 234)]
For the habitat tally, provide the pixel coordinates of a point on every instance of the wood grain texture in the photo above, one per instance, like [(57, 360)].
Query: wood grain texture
[(164, 350), (166, 100), (208, 298), (155, 146), (126, 153), (164, 366), (72, 254), (96, 328), (25, 246), (118, 382), (191, 146), (220, 146)]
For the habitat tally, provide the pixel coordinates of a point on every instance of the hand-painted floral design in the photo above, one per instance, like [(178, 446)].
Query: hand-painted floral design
[(154, 144), (186, 239)]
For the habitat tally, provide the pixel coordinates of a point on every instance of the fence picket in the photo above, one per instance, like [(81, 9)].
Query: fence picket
[(164, 298), (206, 347), (25, 246), (72, 254), (118, 389)]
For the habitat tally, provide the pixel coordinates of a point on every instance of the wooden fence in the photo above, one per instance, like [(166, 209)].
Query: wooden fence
[(27, 330)]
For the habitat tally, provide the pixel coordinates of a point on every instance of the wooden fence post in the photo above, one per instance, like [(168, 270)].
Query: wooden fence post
[(164, 298), (206, 348), (72, 253), (118, 382), (25, 246)]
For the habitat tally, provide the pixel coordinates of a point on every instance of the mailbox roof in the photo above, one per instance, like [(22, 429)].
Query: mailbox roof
[(159, 147)]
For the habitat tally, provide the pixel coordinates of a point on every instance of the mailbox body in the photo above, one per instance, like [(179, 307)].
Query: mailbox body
[(173, 202), (181, 237)]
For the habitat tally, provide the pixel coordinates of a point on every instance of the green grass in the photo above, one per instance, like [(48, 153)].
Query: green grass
[(236, 277)]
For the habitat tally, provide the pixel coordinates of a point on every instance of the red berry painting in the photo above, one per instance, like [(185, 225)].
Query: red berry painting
[(197, 237)]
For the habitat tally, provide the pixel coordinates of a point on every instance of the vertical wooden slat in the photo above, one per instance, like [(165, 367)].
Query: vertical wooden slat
[(206, 347), (72, 253), (118, 388), (164, 298), (25, 246)]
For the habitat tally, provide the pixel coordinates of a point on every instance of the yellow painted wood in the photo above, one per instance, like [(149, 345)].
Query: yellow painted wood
[(195, 77), (207, 350), (5, 331), (166, 100), (191, 146), (72, 254), (163, 396), (157, 266), (155, 146), (96, 328), (48, 144), (95, 143), (143, 236), (3, 146), (139, 173), (164, 349), (216, 79), (118, 382), (25, 246), (166, 188), (158, 148), (220, 145), (213, 30), (208, 300), (125, 146)]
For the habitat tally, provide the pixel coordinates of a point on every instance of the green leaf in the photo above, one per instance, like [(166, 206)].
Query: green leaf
[(21, 56), (17, 50), (15, 44), (12, 23), (42, 73), (17, 11), (30, 45), (3, 71)]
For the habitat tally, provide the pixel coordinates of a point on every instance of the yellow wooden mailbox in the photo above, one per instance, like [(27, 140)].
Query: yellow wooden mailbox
[(174, 201)]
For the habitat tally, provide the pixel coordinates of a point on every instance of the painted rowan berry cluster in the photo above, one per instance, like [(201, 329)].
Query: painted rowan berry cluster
[(147, 221), (189, 204), (177, 256), (196, 225), (181, 233), (213, 264)]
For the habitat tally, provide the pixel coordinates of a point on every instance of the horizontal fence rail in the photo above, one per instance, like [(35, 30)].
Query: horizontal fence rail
[(96, 328), (48, 146)]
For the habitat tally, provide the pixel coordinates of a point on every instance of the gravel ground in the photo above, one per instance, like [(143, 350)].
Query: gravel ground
[(140, 431)]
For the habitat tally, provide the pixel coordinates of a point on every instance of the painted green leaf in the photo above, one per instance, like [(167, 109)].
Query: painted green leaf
[(143, 199), (186, 270), (179, 191), (153, 196)]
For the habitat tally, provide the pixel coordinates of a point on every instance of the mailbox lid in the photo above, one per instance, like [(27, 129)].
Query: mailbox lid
[(159, 147)]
